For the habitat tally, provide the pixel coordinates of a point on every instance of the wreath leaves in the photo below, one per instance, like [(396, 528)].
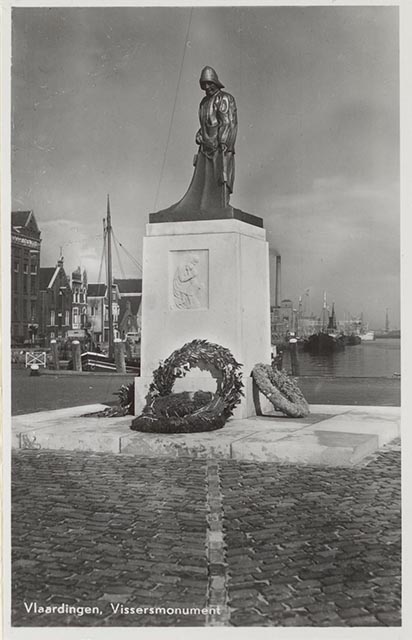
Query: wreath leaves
[(210, 416), (281, 390)]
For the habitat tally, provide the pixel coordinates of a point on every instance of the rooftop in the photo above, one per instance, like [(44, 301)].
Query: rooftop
[(129, 285)]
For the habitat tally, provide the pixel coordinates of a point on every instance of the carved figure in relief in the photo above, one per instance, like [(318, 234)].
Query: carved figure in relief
[(186, 284)]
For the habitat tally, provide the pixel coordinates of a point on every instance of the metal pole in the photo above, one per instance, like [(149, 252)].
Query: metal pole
[(109, 276)]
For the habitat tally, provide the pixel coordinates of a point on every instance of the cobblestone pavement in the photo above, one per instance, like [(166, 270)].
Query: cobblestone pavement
[(100, 529), (314, 546), (299, 546)]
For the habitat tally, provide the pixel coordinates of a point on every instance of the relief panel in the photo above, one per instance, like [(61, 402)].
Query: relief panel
[(189, 279)]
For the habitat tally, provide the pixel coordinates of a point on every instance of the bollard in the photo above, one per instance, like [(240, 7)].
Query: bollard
[(119, 355), (34, 370), (77, 361), (55, 354), (278, 361), (293, 347)]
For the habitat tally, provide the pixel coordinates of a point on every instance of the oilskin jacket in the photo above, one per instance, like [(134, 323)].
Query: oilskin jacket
[(218, 123)]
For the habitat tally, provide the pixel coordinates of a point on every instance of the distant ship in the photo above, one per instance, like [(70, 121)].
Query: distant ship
[(328, 340), (323, 343), (368, 336)]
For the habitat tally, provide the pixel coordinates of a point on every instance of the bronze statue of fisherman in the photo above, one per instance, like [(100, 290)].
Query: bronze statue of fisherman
[(212, 182), (216, 139)]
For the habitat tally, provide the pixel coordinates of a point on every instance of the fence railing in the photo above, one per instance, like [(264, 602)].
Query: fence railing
[(35, 357)]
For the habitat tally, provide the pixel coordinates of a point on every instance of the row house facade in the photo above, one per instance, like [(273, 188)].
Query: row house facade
[(79, 323), (130, 303), (46, 305), (54, 304), (25, 266), (98, 312)]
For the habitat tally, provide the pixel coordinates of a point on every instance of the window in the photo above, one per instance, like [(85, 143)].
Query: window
[(25, 268), (33, 269), (16, 266), (67, 318), (33, 284), (52, 318)]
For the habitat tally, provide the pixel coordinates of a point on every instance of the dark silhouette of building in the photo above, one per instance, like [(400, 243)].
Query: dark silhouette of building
[(130, 292), (54, 303), (25, 265), (79, 302), (98, 311)]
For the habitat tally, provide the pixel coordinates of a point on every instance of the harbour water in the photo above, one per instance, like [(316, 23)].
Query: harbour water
[(378, 358)]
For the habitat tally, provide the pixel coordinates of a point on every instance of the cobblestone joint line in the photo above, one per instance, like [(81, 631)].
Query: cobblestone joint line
[(217, 592)]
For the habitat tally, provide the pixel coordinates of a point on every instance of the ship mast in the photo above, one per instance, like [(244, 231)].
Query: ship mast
[(324, 313), (109, 277)]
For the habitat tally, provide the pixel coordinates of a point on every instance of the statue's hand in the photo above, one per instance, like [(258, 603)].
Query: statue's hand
[(199, 138), (223, 147)]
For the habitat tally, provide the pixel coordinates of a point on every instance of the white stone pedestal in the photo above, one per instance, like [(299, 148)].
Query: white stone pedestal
[(208, 280)]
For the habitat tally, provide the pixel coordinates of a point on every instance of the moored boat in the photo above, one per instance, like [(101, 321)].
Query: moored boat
[(328, 340), (92, 361), (323, 343)]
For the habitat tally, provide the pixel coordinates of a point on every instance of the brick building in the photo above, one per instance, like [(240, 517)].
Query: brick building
[(79, 303), (98, 312), (25, 265), (130, 292), (54, 303)]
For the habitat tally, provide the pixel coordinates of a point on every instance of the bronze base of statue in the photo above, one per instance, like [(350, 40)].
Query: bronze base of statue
[(180, 215), (207, 197)]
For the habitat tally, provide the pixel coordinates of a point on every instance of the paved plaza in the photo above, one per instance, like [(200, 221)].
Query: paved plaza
[(271, 545)]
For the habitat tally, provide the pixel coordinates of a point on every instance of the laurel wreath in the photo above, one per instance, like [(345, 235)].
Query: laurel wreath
[(281, 390), (166, 412)]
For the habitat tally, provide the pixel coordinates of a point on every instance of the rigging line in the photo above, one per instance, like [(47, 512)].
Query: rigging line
[(129, 255), (132, 258), (101, 259), (116, 247), (173, 110)]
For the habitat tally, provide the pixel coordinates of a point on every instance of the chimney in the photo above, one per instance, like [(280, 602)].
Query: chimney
[(272, 277), (277, 286)]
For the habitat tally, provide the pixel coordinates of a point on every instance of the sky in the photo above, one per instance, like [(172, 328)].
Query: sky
[(105, 100)]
